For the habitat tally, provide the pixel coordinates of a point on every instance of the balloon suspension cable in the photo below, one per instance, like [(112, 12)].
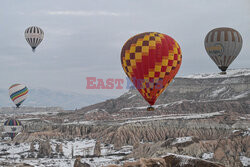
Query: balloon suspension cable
[(14, 113), (17, 107)]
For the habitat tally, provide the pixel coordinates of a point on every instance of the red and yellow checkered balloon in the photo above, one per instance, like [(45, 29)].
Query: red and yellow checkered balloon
[(151, 60)]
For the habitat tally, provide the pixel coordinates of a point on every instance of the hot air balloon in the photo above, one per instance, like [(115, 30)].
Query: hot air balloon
[(223, 45), (18, 93), (12, 127), (34, 36), (151, 60)]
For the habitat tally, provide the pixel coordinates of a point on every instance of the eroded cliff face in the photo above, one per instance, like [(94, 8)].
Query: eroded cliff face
[(151, 129), (226, 150), (225, 135)]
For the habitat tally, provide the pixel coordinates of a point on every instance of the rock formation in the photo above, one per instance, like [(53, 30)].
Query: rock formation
[(97, 149), (226, 150), (32, 146), (59, 149), (78, 163), (44, 149), (170, 161)]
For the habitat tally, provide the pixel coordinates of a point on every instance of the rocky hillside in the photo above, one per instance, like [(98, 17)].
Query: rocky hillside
[(203, 116), (201, 93)]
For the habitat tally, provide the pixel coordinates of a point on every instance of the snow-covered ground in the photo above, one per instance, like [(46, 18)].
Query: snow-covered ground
[(230, 73), (11, 153), (155, 106)]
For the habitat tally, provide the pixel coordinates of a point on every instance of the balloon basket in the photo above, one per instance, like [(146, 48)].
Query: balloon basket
[(223, 73), (150, 108)]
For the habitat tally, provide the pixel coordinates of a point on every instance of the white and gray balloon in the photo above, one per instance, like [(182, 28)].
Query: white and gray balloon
[(223, 45), (34, 36)]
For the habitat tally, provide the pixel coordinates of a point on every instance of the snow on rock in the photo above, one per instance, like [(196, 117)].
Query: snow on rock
[(207, 155), (172, 116), (92, 111), (236, 130), (77, 147), (230, 73), (232, 81), (217, 92), (245, 94), (137, 108), (132, 96), (79, 123), (247, 133), (102, 161), (80, 147), (155, 106), (245, 161), (182, 140)]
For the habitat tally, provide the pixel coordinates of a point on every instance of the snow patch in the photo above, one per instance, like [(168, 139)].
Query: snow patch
[(79, 123), (217, 92), (182, 140), (132, 96), (246, 133), (173, 116), (240, 96), (245, 160), (92, 111), (235, 131), (155, 106), (209, 155)]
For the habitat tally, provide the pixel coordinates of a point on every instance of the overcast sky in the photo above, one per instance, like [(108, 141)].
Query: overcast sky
[(83, 38)]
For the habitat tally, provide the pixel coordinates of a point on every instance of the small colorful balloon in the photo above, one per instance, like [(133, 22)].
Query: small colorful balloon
[(18, 93), (12, 127)]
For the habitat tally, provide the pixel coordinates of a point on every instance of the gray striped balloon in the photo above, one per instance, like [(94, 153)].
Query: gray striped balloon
[(34, 36), (223, 45)]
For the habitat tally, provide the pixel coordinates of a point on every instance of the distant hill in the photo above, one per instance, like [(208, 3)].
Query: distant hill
[(199, 93), (48, 98)]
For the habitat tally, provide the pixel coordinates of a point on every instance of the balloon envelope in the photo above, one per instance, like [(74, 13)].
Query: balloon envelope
[(223, 45), (151, 60), (12, 127), (18, 93), (34, 36)]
